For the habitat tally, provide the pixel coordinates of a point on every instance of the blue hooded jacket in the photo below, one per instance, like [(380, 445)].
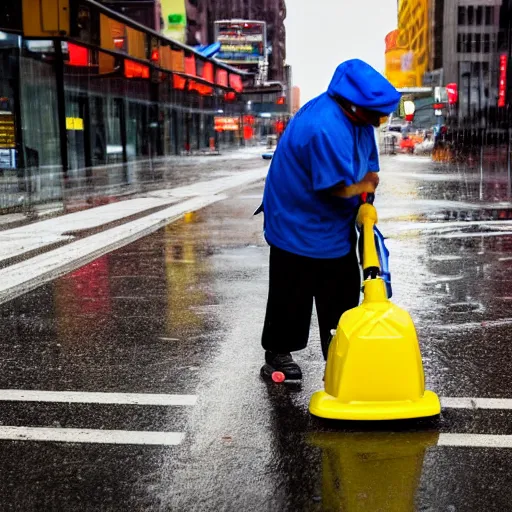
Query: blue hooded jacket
[(320, 149)]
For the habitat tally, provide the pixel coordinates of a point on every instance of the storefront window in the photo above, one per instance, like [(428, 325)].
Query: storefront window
[(41, 141), (137, 131)]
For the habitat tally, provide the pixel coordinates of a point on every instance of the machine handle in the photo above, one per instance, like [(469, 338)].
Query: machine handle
[(368, 197), (366, 219)]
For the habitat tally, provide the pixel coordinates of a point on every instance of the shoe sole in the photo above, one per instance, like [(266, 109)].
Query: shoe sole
[(269, 373)]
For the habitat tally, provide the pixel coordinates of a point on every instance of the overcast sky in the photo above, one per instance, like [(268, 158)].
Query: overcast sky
[(320, 34)]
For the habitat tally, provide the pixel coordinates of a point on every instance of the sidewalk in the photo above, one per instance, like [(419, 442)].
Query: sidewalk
[(39, 252), (144, 176)]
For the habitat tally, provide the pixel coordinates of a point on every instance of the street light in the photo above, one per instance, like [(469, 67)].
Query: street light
[(409, 109)]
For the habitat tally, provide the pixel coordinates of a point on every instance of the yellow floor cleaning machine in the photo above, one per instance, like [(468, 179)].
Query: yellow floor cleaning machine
[(374, 369)]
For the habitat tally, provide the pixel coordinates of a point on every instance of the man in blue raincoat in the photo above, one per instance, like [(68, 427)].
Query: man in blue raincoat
[(326, 158)]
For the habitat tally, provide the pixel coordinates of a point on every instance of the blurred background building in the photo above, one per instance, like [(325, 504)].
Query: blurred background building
[(453, 59), (96, 98), (251, 36)]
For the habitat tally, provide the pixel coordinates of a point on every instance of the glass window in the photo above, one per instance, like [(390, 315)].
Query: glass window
[(137, 136), (459, 42), (462, 15), (487, 43), (98, 131), (167, 131), (467, 43), (114, 115), (12, 184), (75, 124), (39, 110), (477, 40), (41, 141), (9, 53), (489, 14), (471, 15), (479, 15)]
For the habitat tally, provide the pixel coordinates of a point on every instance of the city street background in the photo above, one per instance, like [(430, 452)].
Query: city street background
[(180, 312)]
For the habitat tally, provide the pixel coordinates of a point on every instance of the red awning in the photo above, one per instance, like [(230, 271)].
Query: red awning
[(179, 82), (235, 81), (78, 55), (190, 65), (133, 69), (222, 77)]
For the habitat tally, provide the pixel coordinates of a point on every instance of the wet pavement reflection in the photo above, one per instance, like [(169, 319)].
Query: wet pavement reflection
[(368, 471), (180, 312)]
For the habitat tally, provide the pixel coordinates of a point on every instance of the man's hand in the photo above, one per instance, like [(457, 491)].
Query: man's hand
[(368, 184), (371, 181)]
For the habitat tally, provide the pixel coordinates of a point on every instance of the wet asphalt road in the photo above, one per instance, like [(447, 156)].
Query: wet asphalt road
[(181, 311)]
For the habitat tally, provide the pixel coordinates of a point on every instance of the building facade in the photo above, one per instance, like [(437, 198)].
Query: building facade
[(467, 56), (94, 103), (192, 21), (407, 47), (196, 23), (471, 32)]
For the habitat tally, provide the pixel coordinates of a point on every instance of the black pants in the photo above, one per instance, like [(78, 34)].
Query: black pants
[(294, 282)]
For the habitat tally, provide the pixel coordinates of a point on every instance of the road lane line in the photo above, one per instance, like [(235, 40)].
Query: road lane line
[(19, 241), (31, 273), (79, 397), (79, 435), (475, 440), (475, 403), (27, 275)]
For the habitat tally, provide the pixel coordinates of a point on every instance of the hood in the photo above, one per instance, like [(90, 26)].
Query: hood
[(363, 86)]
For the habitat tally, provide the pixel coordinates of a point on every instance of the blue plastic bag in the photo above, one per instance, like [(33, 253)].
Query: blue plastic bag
[(383, 254)]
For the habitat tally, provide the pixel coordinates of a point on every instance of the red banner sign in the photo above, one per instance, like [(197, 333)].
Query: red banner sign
[(452, 93), (502, 85)]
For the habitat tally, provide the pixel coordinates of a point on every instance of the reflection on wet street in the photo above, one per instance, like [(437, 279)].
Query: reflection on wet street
[(180, 313), (369, 470)]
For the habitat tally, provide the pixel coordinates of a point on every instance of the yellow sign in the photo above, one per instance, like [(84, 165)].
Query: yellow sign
[(174, 15), (241, 48), (74, 123), (7, 131)]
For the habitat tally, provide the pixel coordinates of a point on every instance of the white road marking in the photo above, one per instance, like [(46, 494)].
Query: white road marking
[(79, 397), (475, 403), (18, 241), (79, 435), (446, 257), (475, 235), (473, 325), (29, 274), (475, 440), (211, 187), (446, 226)]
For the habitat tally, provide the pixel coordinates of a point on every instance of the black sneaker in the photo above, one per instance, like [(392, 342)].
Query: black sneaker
[(280, 367)]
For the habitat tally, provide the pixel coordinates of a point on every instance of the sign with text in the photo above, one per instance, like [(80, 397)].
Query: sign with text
[(7, 131), (227, 124), (241, 41)]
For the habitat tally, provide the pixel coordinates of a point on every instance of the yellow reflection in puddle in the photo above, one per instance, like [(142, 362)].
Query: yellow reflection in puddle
[(371, 471)]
